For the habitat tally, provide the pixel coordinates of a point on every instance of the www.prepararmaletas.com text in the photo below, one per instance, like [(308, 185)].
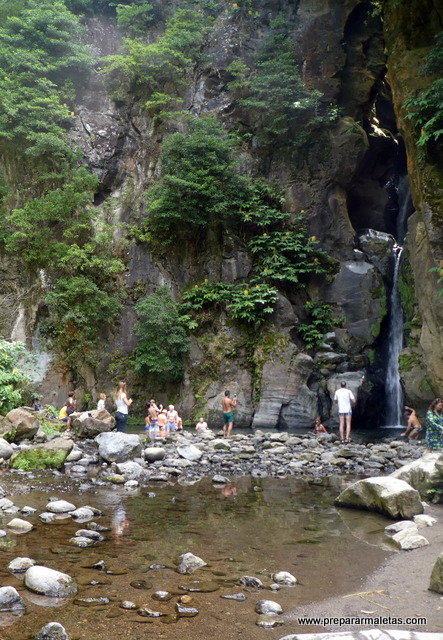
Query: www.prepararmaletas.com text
[(363, 621)]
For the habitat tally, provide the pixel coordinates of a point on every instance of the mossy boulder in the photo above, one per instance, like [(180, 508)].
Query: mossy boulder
[(49, 455), (7, 429)]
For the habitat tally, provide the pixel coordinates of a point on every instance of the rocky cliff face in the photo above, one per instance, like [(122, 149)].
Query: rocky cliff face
[(345, 187)]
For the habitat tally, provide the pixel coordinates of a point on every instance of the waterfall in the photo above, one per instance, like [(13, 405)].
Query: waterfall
[(393, 388), (394, 392)]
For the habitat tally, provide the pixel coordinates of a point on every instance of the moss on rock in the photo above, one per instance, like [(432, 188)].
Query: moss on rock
[(29, 459)]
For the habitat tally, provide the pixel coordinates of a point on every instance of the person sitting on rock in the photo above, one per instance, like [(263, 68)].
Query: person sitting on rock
[(319, 427), (101, 402), (201, 425)]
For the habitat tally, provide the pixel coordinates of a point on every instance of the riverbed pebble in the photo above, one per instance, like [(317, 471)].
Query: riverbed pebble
[(268, 607), (20, 565), (52, 631), (19, 526), (10, 600), (284, 577), (59, 506), (49, 582)]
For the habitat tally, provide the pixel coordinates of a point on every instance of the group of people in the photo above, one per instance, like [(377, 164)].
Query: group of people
[(160, 422)]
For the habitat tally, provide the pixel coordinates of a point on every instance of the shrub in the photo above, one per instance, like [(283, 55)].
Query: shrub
[(40, 49), (199, 183), (426, 109), (320, 322), (12, 377), (285, 108), (162, 337)]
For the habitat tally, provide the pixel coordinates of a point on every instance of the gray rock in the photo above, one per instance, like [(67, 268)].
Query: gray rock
[(10, 600), (409, 539), (90, 424), (219, 479), (391, 529), (436, 582), (24, 423), (189, 563), (49, 582), (387, 495), (82, 514), (19, 526), (130, 470), (6, 450), (74, 456), (269, 621), (282, 380), (20, 565), (118, 447), (283, 577), (82, 541), (5, 503), (422, 520), (251, 581), (52, 631), (268, 607), (60, 506), (89, 533), (153, 454), (190, 452)]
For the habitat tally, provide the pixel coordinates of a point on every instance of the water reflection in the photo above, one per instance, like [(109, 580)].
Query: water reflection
[(250, 526)]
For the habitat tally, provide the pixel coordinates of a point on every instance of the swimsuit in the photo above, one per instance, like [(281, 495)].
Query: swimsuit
[(228, 416)]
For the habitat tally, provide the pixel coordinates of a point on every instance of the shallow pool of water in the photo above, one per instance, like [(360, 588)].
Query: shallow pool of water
[(254, 528)]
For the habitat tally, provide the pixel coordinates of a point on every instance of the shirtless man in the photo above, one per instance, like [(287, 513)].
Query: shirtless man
[(228, 407), (151, 421), (413, 427)]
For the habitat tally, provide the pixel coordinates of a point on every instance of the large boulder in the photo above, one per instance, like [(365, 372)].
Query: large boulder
[(436, 583), (90, 424), (24, 423), (47, 455), (424, 474), (118, 447), (283, 385), (390, 496), (7, 429), (49, 582), (6, 450)]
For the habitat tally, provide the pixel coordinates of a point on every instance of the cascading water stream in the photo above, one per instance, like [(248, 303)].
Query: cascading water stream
[(394, 392), (393, 388)]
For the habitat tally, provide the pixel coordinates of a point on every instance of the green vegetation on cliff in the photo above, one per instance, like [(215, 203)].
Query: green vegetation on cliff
[(426, 108), (12, 378), (286, 110), (50, 221), (162, 337)]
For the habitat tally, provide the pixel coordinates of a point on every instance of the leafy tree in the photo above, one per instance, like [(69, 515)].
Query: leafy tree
[(39, 50), (148, 68), (12, 378), (162, 337), (286, 110), (57, 232), (199, 183), (136, 18)]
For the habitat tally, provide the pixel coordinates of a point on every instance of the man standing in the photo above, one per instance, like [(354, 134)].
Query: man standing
[(344, 398), (228, 407)]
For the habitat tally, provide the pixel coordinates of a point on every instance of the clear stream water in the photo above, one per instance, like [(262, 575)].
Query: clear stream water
[(263, 526)]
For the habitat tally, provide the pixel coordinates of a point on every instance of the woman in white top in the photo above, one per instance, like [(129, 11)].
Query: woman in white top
[(122, 402)]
